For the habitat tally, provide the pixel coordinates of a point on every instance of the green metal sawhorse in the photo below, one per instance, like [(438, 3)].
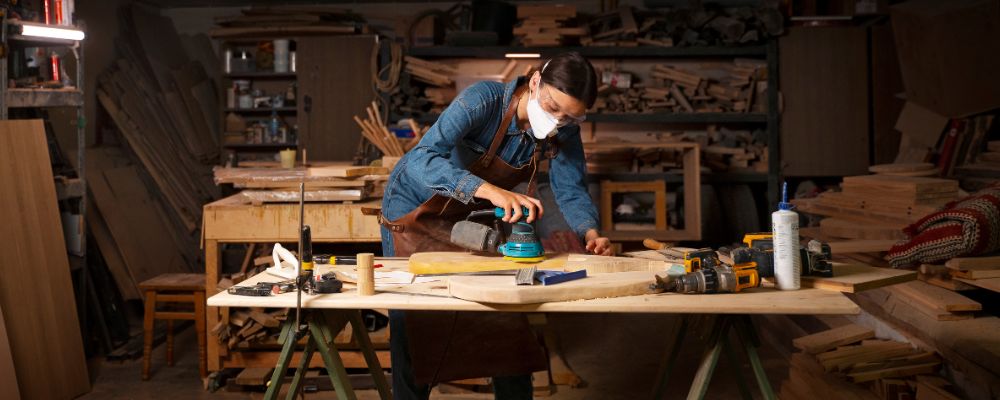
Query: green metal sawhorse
[(718, 342), (322, 328)]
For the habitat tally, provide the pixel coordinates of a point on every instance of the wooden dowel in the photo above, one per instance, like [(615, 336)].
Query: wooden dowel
[(366, 274)]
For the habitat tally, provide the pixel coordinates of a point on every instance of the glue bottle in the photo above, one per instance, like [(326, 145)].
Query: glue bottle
[(785, 228)]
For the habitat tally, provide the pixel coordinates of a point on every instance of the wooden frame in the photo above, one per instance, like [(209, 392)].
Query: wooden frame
[(691, 161), (658, 188)]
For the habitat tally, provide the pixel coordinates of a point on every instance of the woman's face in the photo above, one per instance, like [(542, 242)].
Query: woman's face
[(567, 109)]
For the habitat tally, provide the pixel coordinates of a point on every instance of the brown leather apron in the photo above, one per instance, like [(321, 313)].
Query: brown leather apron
[(447, 346)]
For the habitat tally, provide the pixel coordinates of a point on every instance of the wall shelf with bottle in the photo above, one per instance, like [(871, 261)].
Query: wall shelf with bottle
[(260, 87)]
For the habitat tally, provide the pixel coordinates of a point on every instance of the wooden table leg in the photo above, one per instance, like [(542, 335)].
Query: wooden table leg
[(365, 344), (170, 343), (199, 328), (703, 377), (667, 366), (287, 351), (748, 335), (320, 331), (212, 313), (148, 322)]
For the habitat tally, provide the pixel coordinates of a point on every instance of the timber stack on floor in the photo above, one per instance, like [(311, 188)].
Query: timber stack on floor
[(148, 193), (889, 369)]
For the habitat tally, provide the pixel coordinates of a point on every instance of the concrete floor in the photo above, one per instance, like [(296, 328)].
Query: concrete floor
[(617, 356)]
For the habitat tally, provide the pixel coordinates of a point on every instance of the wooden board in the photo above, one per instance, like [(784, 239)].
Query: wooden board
[(892, 169), (988, 284), (234, 219), (502, 290), (112, 255), (292, 196), (842, 228), (829, 340), (861, 246), (347, 171), (938, 298), (900, 185), (450, 262), (974, 263), (853, 278), (37, 295), (8, 375)]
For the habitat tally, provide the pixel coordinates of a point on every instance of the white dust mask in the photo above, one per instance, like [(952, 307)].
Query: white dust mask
[(542, 123)]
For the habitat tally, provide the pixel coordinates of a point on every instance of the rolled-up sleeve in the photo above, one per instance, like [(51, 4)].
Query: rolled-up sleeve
[(430, 162), (568, 177)]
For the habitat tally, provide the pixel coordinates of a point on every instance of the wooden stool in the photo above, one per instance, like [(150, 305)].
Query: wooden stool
[(173, 288)]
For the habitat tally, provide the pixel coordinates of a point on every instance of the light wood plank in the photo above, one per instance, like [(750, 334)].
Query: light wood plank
[(829, 340), (853, 278), (502, 290)]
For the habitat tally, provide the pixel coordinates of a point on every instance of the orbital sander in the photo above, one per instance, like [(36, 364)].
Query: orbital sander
[(522, 245)]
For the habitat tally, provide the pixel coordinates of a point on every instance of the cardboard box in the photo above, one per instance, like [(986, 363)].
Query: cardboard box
[(949, 54)]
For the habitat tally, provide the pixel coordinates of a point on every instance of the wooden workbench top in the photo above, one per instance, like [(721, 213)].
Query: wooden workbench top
[(434, 296)]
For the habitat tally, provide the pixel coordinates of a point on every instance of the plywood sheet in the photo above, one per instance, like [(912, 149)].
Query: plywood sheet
[(502, 290), (450, 262), (8, 376), (37, 294), (853, 278)]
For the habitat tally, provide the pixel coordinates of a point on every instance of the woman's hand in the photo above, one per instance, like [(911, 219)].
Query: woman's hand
[(597, 244), (511, 203)]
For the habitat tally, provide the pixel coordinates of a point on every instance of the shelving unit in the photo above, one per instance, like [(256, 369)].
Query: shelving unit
[(770, 119)]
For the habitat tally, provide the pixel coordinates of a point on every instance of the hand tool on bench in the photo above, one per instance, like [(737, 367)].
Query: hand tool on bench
[(760, 250), (722, 278), (521, 246)]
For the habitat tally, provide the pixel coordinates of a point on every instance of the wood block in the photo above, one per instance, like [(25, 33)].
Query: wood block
[(842, 228), (988, 284), (254, 376), (895, 371), (938, 298), (974, 263), (854, 278), (828, 340), (264, 318)]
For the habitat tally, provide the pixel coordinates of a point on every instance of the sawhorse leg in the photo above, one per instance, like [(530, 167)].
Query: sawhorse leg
[(320, 336), (718, 342)]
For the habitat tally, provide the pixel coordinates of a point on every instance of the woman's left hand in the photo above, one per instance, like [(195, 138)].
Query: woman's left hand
[(598, 245)]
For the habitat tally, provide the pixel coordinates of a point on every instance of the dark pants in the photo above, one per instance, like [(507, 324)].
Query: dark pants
[(404, 387)]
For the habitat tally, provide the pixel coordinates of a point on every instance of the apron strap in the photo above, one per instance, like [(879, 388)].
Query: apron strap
[(504, 124), (381, 219)]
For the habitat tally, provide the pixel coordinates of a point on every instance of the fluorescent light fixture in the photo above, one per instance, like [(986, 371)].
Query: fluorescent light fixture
[(522, 55), (51, 32)]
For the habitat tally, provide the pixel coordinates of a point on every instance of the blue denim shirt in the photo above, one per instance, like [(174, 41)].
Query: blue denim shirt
[(463, 132)]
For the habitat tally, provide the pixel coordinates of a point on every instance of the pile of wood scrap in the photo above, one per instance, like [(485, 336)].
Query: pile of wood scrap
[(723, 150), (850, 353), (379, 135), (740, 87), (883, 202), (713, 26), (964, 274), (288, 21), (434, 73), (546, 25), (324, 182)]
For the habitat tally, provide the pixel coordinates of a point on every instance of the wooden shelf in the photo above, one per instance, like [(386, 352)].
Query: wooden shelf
[(262, 110), (661, 117), (589, 51), (261, 75), (668, 177), (25, 98), (260, 147)]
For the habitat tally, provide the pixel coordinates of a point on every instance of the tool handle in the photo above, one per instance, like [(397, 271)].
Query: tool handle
[(746, 275), (654, 244)]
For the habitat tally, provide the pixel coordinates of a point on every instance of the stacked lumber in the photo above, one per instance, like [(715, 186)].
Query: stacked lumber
[(850, 353), (964, 273), (434, 73), (327, 182), (269, 21), (723, 150), (546, 25), (738, 87), (249, 327), (687, 26), (887, 201)]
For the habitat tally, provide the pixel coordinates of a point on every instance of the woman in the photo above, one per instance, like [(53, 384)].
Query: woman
[(489, 140)]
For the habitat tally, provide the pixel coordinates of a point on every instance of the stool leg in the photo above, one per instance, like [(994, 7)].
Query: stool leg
[(147, 332), (170, 342), (199, 328)]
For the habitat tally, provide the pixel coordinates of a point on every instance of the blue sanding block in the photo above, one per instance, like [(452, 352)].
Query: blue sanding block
[(554, 277)]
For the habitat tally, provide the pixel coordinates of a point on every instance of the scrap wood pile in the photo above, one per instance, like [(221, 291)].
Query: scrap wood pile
[(704, 26), (258, 328), (324, 182), (831, 359), (386, 141), (149, 193), (740, 86), (547, 25), (428, 87), (258, 21), (966, 149)]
